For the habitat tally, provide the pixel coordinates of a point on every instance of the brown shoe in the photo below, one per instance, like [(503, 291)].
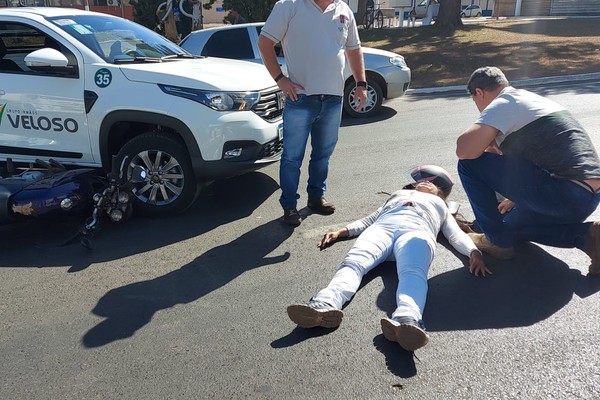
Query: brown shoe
[(321, 206), (315, 313), (483, 244), (592, 248), (291, 216), (406, 331)]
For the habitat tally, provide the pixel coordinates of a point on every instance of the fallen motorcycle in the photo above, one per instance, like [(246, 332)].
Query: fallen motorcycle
[(50, 191)]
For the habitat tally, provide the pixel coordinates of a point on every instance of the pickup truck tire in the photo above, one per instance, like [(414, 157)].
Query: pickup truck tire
[(170, 186), (374, 100)]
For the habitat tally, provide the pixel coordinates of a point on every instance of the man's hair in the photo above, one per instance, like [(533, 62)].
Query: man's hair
[(486, 78)]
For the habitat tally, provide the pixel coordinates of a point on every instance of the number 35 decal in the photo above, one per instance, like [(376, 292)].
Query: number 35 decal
[(103, 78)]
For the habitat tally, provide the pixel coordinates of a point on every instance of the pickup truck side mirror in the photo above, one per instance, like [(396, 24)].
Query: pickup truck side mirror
[(46, 57), (50, 61)]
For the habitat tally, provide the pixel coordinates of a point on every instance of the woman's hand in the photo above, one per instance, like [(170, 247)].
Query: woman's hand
[(505, 206), (477, 265), (330, 238)]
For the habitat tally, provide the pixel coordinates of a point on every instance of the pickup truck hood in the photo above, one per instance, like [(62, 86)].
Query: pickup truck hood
[(205, 73)]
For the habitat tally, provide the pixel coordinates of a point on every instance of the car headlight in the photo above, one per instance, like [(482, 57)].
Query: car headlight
[(398, 61), (220, 101)]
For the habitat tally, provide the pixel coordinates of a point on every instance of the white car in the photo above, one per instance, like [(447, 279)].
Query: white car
[(388, 76), (474, 10), (81, 87)]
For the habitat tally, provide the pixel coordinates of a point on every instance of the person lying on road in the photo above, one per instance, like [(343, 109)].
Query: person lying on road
[(403, 229)]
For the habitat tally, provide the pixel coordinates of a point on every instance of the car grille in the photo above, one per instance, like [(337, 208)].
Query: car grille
[(271, 149), (270, 105)]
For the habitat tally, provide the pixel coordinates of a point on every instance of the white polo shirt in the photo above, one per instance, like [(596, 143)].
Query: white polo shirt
[(314, 42)]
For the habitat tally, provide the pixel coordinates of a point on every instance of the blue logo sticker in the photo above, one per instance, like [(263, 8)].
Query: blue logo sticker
[(103, 78)]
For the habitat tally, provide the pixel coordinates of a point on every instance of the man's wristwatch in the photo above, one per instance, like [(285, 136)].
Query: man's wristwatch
[(361, 84)]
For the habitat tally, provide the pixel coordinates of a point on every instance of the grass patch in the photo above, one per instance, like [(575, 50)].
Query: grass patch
[(523, 49)]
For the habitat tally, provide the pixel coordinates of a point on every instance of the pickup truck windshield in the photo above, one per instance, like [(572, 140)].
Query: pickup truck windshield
[(117, 40)]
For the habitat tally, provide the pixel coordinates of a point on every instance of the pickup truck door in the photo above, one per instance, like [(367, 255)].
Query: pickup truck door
[(42, 111)]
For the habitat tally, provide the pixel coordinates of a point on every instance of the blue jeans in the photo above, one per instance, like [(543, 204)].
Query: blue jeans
[(547, 210), (319, 116)]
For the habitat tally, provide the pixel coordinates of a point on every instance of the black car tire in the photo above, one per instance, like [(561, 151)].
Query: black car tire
[(170, 186), (478, 14), (374, 100)]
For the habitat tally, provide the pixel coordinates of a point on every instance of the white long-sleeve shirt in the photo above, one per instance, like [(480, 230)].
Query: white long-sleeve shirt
[(422, 211)]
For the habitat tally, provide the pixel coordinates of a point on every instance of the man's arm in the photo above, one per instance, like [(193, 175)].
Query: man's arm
[(267, 51), (475, 140), (269, 57), (357, 66)]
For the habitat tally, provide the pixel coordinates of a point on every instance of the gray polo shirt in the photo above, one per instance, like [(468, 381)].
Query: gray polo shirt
[(543, 132), (314, 42)]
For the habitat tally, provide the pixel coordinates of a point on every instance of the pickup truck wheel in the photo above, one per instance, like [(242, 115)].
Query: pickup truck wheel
[(169, 186), (374, 100)]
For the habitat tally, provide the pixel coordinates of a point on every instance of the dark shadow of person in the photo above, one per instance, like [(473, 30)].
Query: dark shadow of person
[(130, 307), (522, 291)]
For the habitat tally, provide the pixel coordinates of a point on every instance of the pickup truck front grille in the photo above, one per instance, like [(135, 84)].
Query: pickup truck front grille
[(270, 105), (271, 149)]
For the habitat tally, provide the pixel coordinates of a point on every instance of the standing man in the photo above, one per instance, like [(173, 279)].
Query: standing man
[(534, 153), (315, 35)]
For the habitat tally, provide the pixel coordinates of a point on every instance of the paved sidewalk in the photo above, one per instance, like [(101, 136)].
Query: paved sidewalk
[(525, 82)]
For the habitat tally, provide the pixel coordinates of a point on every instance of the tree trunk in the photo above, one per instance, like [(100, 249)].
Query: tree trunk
[(449, 15), (360, 12)]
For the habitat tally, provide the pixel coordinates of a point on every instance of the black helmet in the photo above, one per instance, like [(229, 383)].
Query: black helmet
[(434, 174)]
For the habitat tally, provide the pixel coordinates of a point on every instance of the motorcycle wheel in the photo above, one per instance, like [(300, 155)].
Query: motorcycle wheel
[(170, 186), (374, 100)]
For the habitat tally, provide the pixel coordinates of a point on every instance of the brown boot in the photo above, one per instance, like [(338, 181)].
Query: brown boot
[(592, 248), (483, 244), (321, 206)]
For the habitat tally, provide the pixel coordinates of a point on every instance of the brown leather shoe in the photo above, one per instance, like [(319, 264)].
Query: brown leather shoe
[(483, 244), (321, 206), (291, 216), (592, 248)]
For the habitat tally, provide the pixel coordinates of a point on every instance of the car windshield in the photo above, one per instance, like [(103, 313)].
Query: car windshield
[(118, 40)]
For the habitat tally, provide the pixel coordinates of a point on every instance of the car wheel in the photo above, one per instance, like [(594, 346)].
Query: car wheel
[(373, 104), (478, 14), (169, 186)]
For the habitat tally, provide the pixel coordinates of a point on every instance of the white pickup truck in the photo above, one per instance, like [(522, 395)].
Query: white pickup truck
[(80, 87)]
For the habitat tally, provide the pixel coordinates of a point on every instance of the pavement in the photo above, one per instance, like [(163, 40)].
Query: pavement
[(518, 83)]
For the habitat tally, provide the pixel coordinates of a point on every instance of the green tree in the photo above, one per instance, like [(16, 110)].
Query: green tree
[(251, 10), (145, 12)]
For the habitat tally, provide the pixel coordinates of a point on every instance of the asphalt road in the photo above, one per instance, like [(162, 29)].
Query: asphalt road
[(193, 307)]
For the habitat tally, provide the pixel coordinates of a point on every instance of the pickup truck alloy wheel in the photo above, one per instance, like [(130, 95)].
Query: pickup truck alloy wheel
[(374, 100), (169, 186)]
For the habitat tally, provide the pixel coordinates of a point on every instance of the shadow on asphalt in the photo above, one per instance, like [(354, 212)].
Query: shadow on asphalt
[(298, 335), (520, 292), (129, 308), (218, 204), (399, 362), (383, 114)]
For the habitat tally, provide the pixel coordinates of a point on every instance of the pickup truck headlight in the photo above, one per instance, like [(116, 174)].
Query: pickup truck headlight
[(398, 61), (220, 101)]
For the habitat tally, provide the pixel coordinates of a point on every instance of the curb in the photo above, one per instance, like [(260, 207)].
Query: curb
[(525, 82)]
